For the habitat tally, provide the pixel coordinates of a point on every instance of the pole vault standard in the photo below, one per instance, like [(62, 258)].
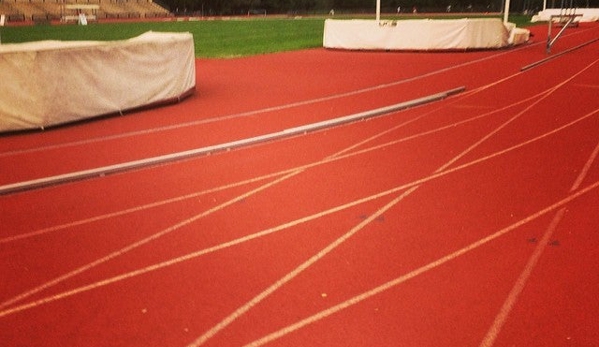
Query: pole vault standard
[(506, 11)]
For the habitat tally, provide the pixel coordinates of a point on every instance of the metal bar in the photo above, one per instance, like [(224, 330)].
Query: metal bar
[(550, 41), (127, 166), (542, 61)]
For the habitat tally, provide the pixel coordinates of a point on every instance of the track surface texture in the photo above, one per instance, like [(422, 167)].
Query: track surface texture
[(469, 221)]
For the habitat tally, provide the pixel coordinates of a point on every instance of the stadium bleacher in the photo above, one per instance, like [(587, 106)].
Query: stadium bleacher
[(55, 10)]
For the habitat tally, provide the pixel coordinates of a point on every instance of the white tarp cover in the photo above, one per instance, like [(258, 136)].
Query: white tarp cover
[(417, 34), (53, 82), (517, 35)]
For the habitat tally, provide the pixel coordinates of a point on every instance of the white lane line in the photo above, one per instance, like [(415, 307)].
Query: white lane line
[(266, 232), (586, 168), (110, 256), (279, 173), (290, 276), (512, 298), (246, 307), (510, 301), (82, 271), (140, 243), (588, 85), (219, 207), (160, 234), (421, 270), (135, 209), (417, 272), (167, 158), (138, 208), (148, 239)]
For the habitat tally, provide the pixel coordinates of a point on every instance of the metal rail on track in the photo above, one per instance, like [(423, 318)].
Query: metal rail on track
[(566, 20), (111, 169), (542, 61), (566, 17)]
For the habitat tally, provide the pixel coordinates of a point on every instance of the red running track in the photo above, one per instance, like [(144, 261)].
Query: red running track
[(464, 222)]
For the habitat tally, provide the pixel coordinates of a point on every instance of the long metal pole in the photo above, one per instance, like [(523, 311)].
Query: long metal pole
[(506, 10), (378, 10)]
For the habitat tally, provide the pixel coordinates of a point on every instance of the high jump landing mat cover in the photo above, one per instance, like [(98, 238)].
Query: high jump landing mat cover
[(422, 34), (47, 83)]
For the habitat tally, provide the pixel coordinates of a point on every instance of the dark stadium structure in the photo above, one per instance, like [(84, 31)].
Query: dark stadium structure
[(41, 11)]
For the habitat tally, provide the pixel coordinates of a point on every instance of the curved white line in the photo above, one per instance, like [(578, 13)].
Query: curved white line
[(419, 271), (340, 156), (275, 229)]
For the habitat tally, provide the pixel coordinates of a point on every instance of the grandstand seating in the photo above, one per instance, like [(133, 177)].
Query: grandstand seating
[(51, 10)]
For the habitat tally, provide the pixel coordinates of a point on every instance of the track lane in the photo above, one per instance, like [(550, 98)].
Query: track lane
[(166, 292), (112, 150)]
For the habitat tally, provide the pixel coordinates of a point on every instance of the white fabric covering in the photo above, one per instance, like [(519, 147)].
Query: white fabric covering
[(419, 34), (517, 36), (53, 82)]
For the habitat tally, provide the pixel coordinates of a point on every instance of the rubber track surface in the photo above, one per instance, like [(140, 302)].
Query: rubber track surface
[(470, 221)]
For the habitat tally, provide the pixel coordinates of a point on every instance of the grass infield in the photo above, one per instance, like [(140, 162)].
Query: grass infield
[(213, 38)]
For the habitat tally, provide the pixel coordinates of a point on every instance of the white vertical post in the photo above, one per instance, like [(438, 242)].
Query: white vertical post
[(378, 10), (506, 10)]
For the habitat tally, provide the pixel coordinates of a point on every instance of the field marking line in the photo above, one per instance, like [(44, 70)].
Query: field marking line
[(274, 174), (17, 187), (287, 278), (419, 271), (514, 294), (146, 240), (264, 110), (550, 91), (332, 246), (133, 246), (588, 85), (339, 156), (295, 272), (271, 175), (586, 168), (150, 238), (139, 243), (430, 266), (139, 208), (266, 232), (334, 157)]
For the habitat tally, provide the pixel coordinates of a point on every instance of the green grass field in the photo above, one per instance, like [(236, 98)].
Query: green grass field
[(213, 38)]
